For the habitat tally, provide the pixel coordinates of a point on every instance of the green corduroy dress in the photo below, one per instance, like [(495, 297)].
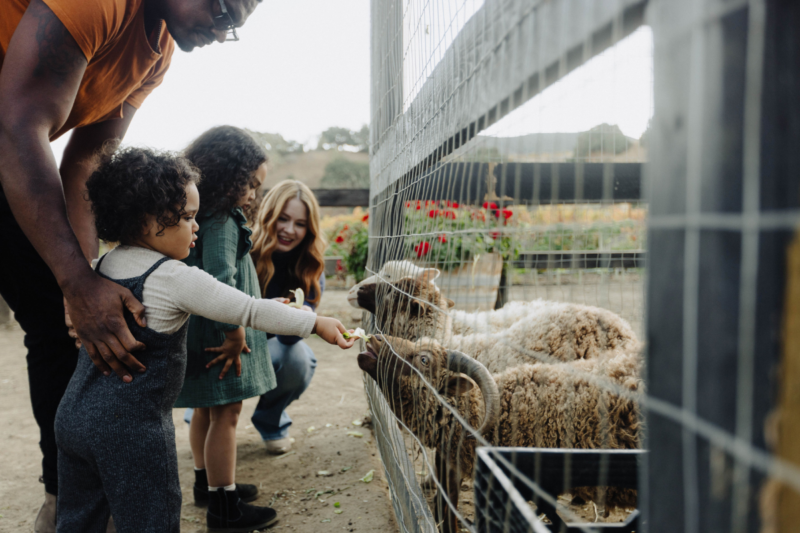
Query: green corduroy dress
[(223, 250)]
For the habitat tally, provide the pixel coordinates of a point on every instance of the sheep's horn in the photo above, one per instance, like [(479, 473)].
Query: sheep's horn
[(460, 362)]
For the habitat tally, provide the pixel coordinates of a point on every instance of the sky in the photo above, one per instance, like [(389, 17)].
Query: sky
[(615, 87), (302, 66)]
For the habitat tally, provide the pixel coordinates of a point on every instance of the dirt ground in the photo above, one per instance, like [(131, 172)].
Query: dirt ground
[(293, 484)]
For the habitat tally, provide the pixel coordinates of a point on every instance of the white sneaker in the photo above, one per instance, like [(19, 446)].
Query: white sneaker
[(46, 519), (279, 446)]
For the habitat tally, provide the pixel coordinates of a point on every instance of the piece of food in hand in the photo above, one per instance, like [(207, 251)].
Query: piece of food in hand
[(299, 298), (358, 333)]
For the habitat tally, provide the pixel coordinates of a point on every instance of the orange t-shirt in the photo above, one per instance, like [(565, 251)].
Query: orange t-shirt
[(122, 65)]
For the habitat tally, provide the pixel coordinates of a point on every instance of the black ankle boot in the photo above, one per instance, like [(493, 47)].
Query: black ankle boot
[(227, 513), (247, 493)]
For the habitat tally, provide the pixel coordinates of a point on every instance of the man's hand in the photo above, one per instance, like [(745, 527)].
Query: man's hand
[(96, 306), (330, 330), (231, 350)]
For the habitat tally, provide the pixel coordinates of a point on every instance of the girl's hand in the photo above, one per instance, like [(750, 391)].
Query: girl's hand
[(330, 330), (282, 300), (231, 350)]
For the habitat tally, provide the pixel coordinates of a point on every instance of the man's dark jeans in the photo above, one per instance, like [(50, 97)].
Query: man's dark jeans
[(31, 291)]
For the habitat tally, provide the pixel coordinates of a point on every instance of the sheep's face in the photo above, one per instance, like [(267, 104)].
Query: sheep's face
[(392, 361), (391, 272), (405, 305)]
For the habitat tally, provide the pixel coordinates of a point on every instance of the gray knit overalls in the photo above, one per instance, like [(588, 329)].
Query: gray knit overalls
[(116, 440)]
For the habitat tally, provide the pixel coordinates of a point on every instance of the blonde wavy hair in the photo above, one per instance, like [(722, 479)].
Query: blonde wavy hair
[(311, 262)]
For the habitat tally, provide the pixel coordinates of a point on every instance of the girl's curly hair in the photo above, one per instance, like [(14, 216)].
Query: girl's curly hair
[(227, 157), (131, 184)]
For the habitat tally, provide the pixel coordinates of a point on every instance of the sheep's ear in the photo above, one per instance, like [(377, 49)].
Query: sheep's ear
[(450, 303), (458, 384), (418, 307), (428, 275)]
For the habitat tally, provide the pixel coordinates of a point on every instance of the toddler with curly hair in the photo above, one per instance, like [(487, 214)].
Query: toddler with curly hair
[(116, 440)]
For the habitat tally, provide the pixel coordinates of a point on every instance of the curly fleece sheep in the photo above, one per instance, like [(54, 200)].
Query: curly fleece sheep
[(564, 331), (461, 322), (533, 405)]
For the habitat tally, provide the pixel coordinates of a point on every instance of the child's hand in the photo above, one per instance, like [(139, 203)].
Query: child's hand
[(330, 330), (231, 350)]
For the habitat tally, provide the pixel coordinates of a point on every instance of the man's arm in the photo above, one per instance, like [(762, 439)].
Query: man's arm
[(42, 71), (77, 165)]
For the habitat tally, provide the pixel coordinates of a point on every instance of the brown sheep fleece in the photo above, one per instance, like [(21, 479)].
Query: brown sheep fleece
[(542, 405)]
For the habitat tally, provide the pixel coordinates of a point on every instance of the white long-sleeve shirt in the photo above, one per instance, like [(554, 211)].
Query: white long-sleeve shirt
[(175, 290)]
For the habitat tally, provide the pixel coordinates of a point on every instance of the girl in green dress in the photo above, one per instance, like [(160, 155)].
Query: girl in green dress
[(226, 363)]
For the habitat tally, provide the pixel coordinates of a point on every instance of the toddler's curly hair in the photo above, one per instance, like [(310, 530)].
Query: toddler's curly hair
[(132, 183)]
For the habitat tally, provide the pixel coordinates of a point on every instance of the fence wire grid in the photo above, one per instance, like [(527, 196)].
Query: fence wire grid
[(582, 238)]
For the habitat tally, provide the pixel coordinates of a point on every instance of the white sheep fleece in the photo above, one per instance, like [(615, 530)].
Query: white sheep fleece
[(497, 319), (547, 331)]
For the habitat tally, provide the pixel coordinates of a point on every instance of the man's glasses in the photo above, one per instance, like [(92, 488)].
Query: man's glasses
[(224, 23)]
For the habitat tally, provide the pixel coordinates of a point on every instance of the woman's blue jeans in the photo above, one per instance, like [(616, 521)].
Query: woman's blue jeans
[(294, 366)]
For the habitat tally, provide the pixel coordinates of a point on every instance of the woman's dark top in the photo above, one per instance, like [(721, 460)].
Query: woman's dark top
[(285, 280)]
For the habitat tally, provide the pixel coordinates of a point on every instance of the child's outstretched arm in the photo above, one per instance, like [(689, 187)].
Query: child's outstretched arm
[(197, 292)]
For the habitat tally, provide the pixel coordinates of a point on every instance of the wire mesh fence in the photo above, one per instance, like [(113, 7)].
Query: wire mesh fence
[(506, 276)]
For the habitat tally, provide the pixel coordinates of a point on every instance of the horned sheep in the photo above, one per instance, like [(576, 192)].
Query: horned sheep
[(533, 405)]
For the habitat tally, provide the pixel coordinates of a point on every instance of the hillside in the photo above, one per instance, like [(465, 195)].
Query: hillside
[(308, 167), (601, 143)]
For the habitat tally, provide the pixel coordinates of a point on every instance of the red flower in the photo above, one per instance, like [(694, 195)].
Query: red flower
[(442, 238), (507, 213), (452, 204), (429, 203), (422, 248), (365, 218), (495, 235), (408, 204), (478, 215), (489, 205), (346, 227), (450, 214), (418, 206), (339, 266), (339, 239), (433, 213)]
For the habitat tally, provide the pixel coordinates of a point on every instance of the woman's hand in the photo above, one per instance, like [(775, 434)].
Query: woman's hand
[(330, 330), (231, 350), (281, 300)]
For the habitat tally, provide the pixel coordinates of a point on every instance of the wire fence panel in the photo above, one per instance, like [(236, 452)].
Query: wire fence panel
[(505, 281), (722, 296)]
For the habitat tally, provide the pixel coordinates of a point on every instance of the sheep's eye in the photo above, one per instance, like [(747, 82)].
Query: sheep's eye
[(423, 359)]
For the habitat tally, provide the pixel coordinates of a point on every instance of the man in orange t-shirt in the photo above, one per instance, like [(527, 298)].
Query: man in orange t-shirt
[(83, 66)]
